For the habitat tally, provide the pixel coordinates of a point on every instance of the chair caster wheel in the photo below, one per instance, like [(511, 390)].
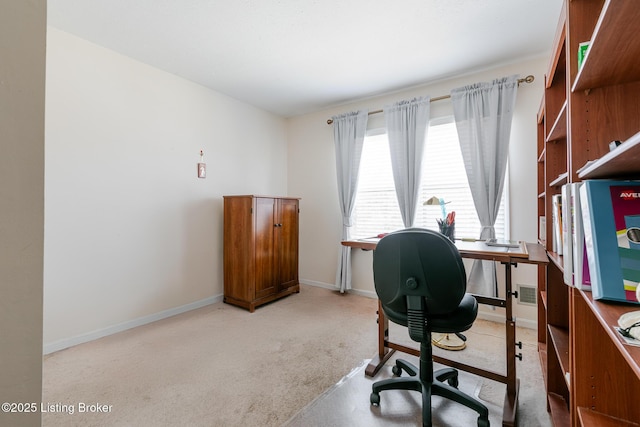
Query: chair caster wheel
[(375, 399), (397, 370), (453, 381), (483, 422)]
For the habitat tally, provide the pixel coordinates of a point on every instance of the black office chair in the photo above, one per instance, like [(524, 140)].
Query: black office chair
[(421, 283)]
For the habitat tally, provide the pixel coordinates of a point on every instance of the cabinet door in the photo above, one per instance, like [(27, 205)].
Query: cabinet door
[(287, 243), (265, 241), (239, 264)]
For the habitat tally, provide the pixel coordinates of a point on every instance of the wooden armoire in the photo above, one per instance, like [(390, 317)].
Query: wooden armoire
[(260, 249)]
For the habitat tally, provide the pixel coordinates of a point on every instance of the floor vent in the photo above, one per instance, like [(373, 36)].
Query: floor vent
[(526, 295)]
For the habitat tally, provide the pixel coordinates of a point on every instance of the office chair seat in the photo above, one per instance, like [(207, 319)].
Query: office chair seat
[(421, 283)]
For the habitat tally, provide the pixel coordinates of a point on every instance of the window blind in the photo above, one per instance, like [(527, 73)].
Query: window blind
[(443, 175)]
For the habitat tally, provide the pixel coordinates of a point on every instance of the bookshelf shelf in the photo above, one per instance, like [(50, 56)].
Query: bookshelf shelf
[(541, 157), (559, 128), (560, 340), (542, 354), (593, 418), (556, 259), (622, 162), (561, 179), (558, 408)]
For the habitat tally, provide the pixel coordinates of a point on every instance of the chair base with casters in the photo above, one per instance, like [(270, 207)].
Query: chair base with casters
[(422, 380)]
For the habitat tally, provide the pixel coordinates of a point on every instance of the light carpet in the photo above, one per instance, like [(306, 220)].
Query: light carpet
[(223, 366), (347, 402), (218, 365)]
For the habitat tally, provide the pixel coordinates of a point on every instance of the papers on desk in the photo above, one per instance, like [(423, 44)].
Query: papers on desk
[(481, 247), (502, 243)]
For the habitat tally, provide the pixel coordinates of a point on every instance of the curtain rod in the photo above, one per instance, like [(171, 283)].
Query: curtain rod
[(528, 79)]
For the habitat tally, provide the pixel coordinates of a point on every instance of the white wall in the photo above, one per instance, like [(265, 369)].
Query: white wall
[(130, 231), (312, 176), (22, 94)]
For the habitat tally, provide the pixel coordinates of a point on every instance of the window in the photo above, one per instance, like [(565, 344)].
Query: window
[(443, 175)]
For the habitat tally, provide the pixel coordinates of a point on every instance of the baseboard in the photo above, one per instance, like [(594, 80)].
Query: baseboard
[(499, 318), (94, 335), (324, 285), (368, 294)]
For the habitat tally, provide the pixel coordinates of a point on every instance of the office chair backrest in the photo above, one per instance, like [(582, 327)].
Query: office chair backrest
[(418, 270)]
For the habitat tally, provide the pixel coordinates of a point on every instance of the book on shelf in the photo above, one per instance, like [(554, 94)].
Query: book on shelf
[(582, 52), (611, 219), (567, 232), (542, 228), (586, 275), (556, 217), (581, 279)]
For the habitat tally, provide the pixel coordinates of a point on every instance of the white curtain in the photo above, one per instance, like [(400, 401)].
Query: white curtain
[(348, 134), (483, 114), (407, 130)]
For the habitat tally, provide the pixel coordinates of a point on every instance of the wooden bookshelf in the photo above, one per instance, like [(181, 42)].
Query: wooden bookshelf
[(591, 376)]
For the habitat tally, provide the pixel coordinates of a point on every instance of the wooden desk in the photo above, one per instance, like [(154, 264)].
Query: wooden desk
[(534, 254)]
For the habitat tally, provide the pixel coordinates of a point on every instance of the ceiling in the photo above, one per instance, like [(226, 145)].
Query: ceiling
[(293, 57)]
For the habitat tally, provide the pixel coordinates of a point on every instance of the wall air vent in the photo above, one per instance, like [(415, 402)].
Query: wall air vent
[(526, 295)]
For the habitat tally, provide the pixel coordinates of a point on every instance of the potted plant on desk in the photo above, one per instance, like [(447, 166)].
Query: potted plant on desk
[(446, 226)]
